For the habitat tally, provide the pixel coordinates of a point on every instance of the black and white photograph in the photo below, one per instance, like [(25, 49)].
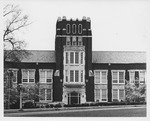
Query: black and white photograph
[(75, 58)]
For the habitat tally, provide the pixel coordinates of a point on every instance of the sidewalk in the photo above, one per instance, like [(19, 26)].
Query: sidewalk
[(68, 108)]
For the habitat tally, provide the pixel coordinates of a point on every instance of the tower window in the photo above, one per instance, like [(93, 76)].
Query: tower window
[(67, 40), (68, 28), (80, 41), (74, 41), (74, 29), (80, 29)]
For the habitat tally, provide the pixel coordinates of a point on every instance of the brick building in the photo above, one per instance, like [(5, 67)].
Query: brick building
[(75, 74)]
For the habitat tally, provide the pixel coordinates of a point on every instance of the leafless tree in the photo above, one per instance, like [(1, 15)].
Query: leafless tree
[(14, 22)]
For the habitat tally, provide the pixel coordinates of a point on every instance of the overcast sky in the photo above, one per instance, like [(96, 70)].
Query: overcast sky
[(116, 25)]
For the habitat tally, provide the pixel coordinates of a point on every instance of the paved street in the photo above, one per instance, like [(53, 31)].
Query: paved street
[(99, 112)]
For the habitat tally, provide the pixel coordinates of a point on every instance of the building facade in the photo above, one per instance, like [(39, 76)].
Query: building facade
[(73, 73)]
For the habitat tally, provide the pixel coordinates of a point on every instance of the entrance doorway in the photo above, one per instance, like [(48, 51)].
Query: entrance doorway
[(73, 98)]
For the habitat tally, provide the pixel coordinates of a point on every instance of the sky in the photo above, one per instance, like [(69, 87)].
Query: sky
[(116, 25)]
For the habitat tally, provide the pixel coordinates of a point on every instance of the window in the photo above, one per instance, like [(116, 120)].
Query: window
[(68, 28), (81, 76), (104, 95), (141, 74), (121, 94), (97, 76), (115, 77), (142, 77), (71, 76), (76, 57), (97, 94), (46, 76), (115, 94), (80, 29), (80, 41), (100, 77), (118, 77), (66, 73), (76, 76), (28, 75), (132, 77), (118, 94), (67, 56), (45, 94), (71, 57), (74, 29), (101, 95), (74, 41), (81, 57), (68, 41)]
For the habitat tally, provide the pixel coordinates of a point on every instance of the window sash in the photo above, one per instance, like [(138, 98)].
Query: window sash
[(74, 29), (97, 94), (76, 57), (121, 94), (72, 57), (104, 95), (46, 76), (68, 28), (76, 76), (80, 29), (97, 77), (115, 94), (28, 76), (71, 76), (118, 77)]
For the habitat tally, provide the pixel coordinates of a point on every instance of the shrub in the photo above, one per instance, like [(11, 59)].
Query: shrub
[(29, 105)]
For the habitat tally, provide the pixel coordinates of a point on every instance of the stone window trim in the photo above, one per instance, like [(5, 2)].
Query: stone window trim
[(118, 71), (100, 72), (45, 75), (28, 74)]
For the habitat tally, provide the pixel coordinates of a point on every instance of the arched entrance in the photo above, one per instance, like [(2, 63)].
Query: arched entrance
[(74, 98)]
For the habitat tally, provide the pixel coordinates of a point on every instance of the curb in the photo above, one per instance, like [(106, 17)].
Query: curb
[(66, 108)]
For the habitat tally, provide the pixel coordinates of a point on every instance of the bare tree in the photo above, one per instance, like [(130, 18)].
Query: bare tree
[(14, 22)]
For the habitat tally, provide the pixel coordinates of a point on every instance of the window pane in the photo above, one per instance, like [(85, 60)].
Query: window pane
[(49, 94), (121, 94), (42, 94), (142, 77), (66, 73), (67, 40), (74, 40), (76, 57), (80, 29), (71, 76), (97, 77), (73, 28), (71, 57), (115, 94), (81, 76), (121, 77), (115, 77), (132, 77), (31, 76), (104, 94), (104, 77), (42, 76), (97, 94), (25, 74), (68, 28), (66, 57), (81, 57), (14, 76), (76, 76), (79, 41)]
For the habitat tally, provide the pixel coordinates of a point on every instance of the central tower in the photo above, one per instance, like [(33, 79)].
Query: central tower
[(73, 47)]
